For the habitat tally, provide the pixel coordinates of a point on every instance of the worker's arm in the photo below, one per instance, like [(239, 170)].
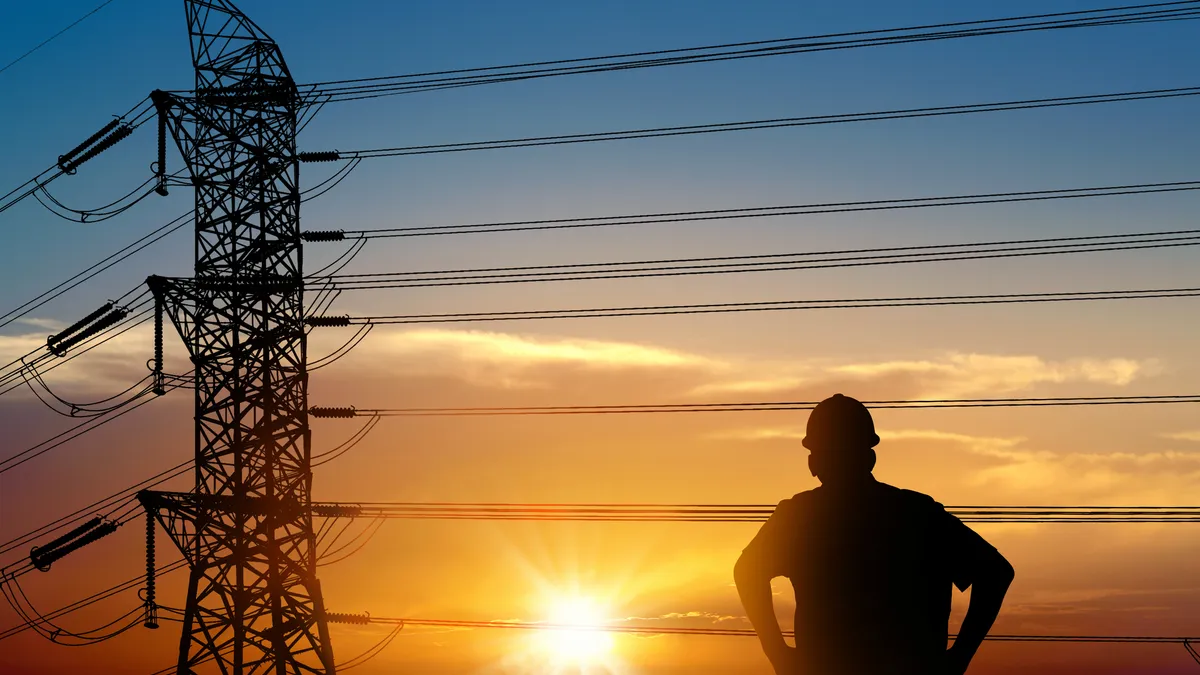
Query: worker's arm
[(992, 578), (754, 588), (767, 557)]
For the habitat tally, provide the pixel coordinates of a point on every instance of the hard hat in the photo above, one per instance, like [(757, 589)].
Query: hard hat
[(840, 422)]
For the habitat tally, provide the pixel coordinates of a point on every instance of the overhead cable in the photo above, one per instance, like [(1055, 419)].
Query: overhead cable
[(319, 93), (48, 40), (767, 262), (755, 212), (762, 306), (727, 513), (774, 123), (114, 132), (96, 268), (734, 632), (140, 244), (90, 600), (58, 440), (753, 406), (1187, 642)]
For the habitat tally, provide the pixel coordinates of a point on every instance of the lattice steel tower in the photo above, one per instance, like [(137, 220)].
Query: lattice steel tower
[(254, 604)]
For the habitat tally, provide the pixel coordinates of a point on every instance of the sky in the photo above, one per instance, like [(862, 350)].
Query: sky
[(1071, 579)]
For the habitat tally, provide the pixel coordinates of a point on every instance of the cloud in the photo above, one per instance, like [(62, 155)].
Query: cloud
[(707, 617), (762, 385), (991, 446), (758, 434), (1150, 477), (1093, 601), (118, 362), (950, 375), (48, 324), (962, 374), (1010, 466), (512, 360), (1192, 436), (507, 348), (983, 445)]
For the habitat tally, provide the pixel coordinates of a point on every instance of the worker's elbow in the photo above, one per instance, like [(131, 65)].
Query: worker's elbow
[(744, 570), (1003, 571)]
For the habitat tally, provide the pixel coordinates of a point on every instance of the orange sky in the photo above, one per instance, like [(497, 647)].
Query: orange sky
[(1072, 579)]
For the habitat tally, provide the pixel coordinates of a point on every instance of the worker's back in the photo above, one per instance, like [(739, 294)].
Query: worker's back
[(872, 567)]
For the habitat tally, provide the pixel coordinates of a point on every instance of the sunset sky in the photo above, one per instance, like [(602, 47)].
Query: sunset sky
[(1101, 579)]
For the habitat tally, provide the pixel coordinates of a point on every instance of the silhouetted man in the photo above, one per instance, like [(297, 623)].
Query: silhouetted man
[(872, 566)]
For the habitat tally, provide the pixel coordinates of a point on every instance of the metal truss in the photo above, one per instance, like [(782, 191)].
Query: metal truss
[(254, 603)]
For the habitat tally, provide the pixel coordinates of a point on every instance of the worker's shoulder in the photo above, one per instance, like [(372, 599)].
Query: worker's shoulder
[(908, 498), (797, 502)]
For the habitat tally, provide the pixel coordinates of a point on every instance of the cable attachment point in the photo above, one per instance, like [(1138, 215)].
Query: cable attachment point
[(104, 317), (332, 413), (159, 388), (43, 556), (64, 161), (328, 321), (70, 162), (160, 167), (341, 617), (320, 156), (323, 235), (150, 619)]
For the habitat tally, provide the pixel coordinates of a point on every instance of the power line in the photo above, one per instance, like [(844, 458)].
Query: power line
[(728, 513), (111, 502), (47, 41), (96, 597), (756, 406), (138, 313), (732, 632), (771, 211), (140, 244), (763, 306), (775, 123), (103, 265), (768, 262), (375, 87), (91, 424), (99, 142), (745, 632)]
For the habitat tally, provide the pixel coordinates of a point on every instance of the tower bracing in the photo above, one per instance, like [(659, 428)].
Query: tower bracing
[(253, 601)]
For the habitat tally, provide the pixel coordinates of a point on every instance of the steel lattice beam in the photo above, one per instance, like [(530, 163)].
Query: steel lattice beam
[(254, 603)]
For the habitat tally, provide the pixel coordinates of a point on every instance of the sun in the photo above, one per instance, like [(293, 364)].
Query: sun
[(577, 636)]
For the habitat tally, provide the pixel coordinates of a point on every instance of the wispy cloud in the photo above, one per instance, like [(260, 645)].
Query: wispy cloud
[(1152, 477), (48, 324), (513, 360), (118, 362), (965, 374), (1192, 436), (705, 617), (991, 446), (950, 375)]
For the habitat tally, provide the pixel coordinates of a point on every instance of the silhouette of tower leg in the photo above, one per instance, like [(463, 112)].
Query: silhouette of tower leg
[(254, 604)]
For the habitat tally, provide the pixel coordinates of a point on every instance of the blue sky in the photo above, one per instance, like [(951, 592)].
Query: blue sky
[(71, 87)]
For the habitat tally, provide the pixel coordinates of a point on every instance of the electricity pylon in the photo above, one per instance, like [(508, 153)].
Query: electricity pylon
[(254, 603)]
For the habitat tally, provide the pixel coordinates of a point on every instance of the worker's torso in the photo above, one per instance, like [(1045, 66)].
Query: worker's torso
[(872, 580)]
